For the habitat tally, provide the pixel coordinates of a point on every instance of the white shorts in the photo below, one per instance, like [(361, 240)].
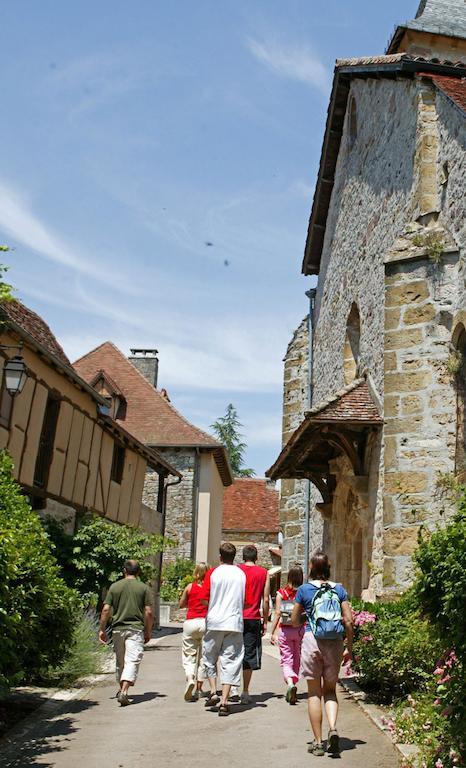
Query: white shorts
[(226, 648)]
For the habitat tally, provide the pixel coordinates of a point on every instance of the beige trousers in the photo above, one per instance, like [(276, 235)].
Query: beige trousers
[(129, 650), (191, 650)]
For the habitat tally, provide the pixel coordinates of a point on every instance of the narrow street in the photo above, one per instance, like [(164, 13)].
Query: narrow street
[(160, 729)]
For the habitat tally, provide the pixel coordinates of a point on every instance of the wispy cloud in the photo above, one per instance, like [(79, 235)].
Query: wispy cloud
[(18, 222), (295, 62)]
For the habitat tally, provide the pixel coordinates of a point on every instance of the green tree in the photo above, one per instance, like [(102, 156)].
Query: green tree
[(93, 557), (37, 609), (227, 429)]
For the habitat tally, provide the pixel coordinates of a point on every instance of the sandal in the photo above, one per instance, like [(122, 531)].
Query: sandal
[(316, 748), (212, 700), (223, 710), (333, 743)]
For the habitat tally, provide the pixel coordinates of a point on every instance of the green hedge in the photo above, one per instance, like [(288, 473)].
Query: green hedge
[(37, 609)]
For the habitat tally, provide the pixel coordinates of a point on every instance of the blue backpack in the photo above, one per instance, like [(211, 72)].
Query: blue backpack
[(324, 616)]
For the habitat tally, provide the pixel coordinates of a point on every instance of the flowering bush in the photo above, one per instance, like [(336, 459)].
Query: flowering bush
[(394, 651)]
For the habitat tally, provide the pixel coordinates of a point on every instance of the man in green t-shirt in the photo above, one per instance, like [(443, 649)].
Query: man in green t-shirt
[(130, 603)]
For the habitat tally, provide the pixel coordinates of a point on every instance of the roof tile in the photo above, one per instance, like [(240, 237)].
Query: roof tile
[(149, 415), (33, 325), (250, 504)]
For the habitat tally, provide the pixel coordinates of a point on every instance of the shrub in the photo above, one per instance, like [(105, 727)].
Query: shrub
[(395, 650), (440, 589), (175, 576), (37, 609), (86, 655), (93, 558), (441, 583)]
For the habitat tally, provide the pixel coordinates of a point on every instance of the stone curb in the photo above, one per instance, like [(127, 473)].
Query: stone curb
[(55, 704), (375, 713)]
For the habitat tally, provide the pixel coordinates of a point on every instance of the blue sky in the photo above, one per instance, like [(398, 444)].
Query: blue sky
[(132, 134)]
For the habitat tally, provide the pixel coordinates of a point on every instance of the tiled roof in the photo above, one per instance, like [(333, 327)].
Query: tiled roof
[(441, 17), (353, 403), (453, 87), (394, 58), (250, 504), (438, 17), (149, 416), (34, 326)]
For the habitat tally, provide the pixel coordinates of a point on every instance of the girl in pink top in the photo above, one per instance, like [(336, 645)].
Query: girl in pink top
[(289, 638), (193, 634)]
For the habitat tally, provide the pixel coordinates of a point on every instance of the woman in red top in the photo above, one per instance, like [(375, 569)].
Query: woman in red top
[(193, 634), (289, 638)]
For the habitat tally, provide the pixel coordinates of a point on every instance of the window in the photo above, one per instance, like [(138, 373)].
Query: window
[(6, 406), (352, 122), (118, 463), (352, 342), (47, 439)]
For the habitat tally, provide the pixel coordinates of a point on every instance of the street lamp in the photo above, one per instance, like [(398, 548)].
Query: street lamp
[(15, 373)]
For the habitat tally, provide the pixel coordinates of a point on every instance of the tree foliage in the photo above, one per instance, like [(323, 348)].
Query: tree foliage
[(93, 557), (37, 608), (6, 290), (227, 429), (175, 576)]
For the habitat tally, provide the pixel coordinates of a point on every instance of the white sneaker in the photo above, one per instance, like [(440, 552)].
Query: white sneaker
[(234, 693)]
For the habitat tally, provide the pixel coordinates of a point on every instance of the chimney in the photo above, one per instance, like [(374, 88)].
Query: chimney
[(147, 363)]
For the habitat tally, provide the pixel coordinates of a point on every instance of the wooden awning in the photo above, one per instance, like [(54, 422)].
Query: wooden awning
[(339, 425)]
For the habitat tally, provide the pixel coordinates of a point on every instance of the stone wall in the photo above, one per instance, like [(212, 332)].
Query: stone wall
[(370, 205), (293, 492), (398, 194), (263, 540), (180, 501), (424, 304)]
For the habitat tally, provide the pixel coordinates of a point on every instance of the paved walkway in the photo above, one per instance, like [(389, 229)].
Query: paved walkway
[(161, 730)]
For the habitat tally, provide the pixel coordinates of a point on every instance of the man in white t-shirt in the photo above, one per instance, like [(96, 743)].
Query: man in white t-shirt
[(223, 591)]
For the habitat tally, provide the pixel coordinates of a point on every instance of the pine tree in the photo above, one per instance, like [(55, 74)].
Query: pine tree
[(226, 428)]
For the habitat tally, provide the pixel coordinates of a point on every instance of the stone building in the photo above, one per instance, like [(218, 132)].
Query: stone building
[(387, 241), (250, 516), (193, 514), (69, 455)]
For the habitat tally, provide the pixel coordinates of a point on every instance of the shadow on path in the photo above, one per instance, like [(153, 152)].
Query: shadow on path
[(46, 736), (140, 698)]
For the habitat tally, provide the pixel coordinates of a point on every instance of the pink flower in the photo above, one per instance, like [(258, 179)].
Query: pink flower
[(445, 679), (366, 639), (439, 671), (383, 720), (439, 764), (363, 617), (436, 702)]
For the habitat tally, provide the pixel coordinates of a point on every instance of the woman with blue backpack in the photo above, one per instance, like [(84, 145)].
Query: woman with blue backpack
[(328, 622)]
